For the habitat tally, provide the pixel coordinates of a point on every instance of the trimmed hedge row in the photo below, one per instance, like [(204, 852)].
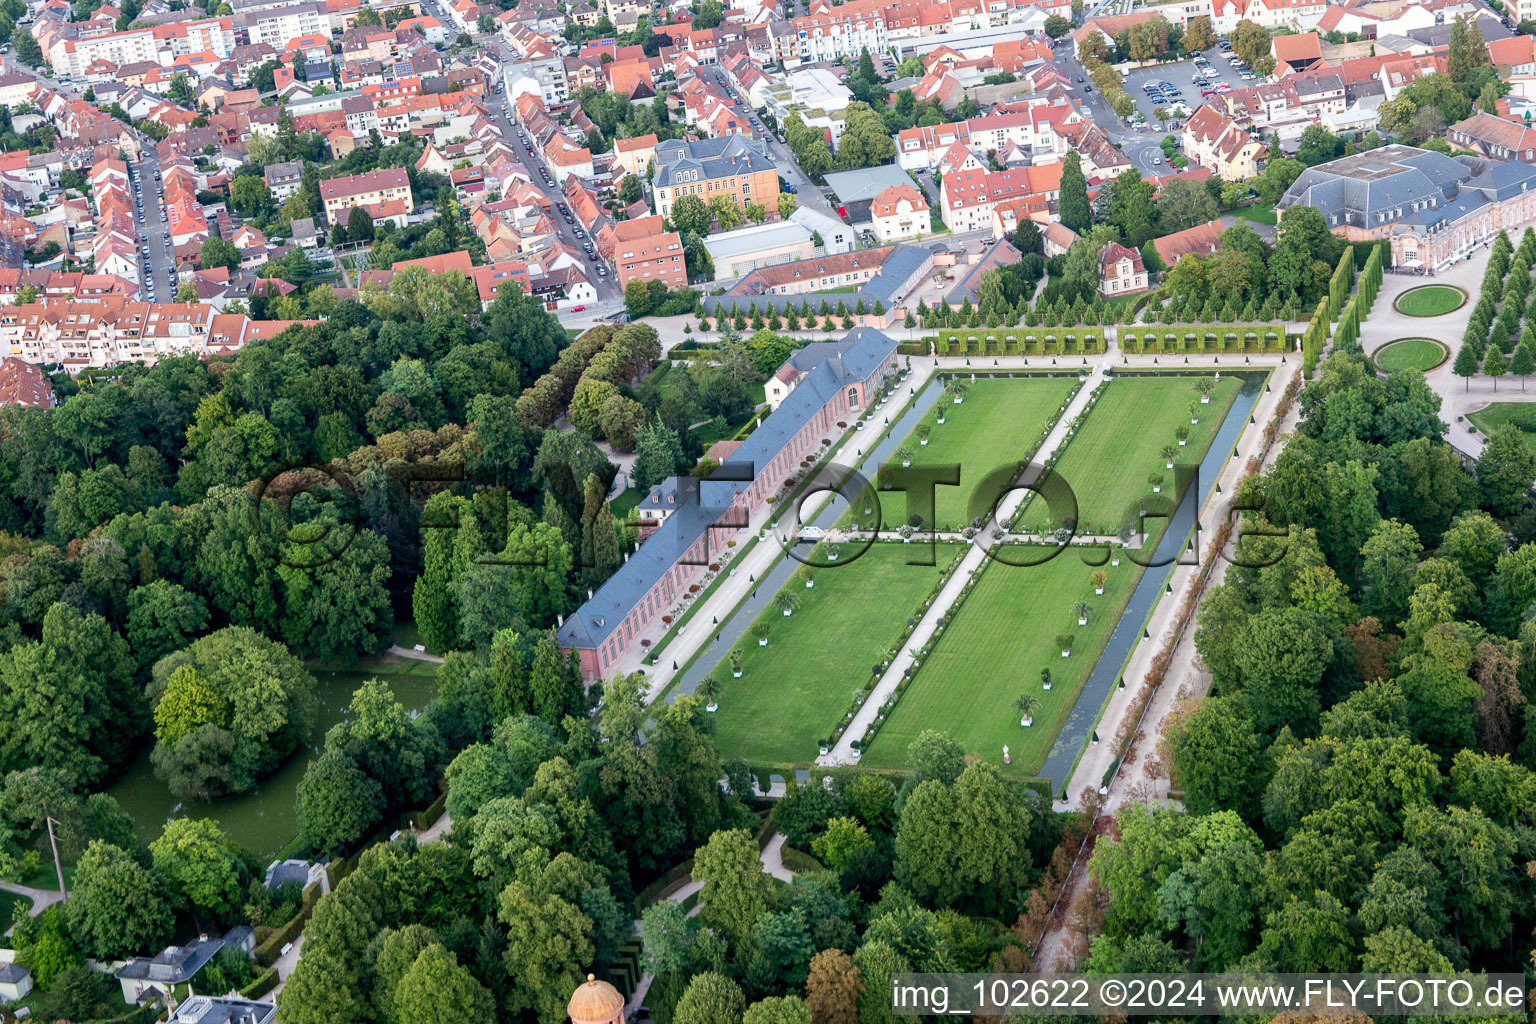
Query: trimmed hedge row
[(1027, 341), (1342, 282), (676, 874), (1313, 339), (262, 985), (268, 951), (427, 816), (1213, 339), (923, 347)]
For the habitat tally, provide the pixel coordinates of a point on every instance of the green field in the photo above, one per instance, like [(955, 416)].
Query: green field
[(794, 691), (1259, 213), (1422, 354), (1118, 445), (1430, 300), (1000, 639), (996, 427), (1521, 414)]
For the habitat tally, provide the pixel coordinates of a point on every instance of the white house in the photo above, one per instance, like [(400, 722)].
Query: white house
[(900, 214), (15, 982)]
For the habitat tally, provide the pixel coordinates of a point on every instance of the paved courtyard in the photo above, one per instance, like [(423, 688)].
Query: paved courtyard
[(1459, 395)]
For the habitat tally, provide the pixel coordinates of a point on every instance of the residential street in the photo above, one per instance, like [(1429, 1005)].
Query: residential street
[(150, 221), (808, 194)]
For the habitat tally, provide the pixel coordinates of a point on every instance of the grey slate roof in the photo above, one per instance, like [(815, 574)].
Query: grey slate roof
[(905, 261), (701, 503), (206, 1010), (176, 964), (1377, 187), (866, 183), (12, 973), (712, 158)]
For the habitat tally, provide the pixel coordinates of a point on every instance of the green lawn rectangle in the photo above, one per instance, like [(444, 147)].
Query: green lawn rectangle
[(993, 651), (997, 426), (1115, 450), (795, 690), (1259, 213), (1522, 414)]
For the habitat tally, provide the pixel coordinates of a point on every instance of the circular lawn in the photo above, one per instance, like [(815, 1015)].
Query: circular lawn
[(1422, 354), (1430, 300)]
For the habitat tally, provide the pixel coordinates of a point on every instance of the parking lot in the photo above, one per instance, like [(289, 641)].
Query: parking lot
[(1182, 76)]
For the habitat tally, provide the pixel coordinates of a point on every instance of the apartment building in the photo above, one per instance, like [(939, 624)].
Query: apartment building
[(114, 330), (23, 384), (284, 179), (278, 25), (1035, 129), (373, 188), (734, 166), (900, 213), (544, 78), (643, 251), (1214, 141), (970, 197), (73, 54)]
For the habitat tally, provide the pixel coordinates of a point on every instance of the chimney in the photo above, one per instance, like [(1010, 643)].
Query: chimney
[(559, 621), (589, 593)]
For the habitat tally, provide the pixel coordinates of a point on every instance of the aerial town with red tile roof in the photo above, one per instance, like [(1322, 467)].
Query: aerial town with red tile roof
[(632, 510)]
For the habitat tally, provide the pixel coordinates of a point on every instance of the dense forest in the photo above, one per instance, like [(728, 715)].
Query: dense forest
[(1359, 788), (183, 545)]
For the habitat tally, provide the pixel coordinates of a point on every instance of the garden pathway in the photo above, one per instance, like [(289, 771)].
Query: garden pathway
[(1142, 777), (772, 859), (41, 899), (408, 652), (750, 567), (1458, 395), (973, 562), (286, 963)]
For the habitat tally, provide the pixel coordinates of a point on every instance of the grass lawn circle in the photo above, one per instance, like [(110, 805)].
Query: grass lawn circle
[(1430, 300), (1422, 354)]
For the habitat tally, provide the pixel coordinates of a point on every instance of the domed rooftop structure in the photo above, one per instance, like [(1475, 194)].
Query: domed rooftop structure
[(596, 1002)]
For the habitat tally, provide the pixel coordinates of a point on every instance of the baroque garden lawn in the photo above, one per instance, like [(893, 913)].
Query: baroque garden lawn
[(1118, 446), (1422, 354), (994, 649), (795, 690), (1430, 300), (1005, 632), (998, 425)]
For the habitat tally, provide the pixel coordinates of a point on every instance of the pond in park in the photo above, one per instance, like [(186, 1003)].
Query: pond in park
[(264, 819)]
